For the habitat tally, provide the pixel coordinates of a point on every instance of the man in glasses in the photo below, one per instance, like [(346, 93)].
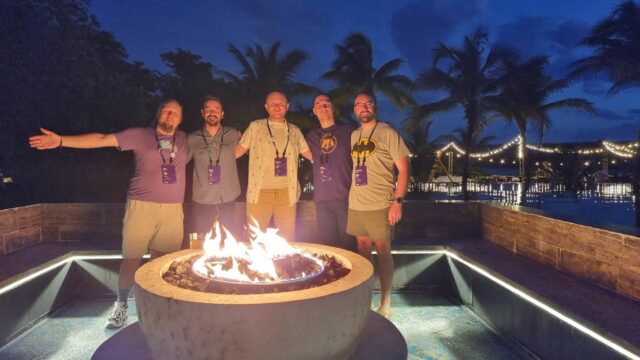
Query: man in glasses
[(153, 213), (376, 195)]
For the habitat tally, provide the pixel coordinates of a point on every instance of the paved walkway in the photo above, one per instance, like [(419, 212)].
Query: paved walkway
[(433, 326)]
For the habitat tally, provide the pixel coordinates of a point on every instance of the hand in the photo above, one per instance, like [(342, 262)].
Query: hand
[(395, 213), (48, 140)]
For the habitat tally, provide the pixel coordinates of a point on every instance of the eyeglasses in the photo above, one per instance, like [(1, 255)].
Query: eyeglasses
[(367, 104)]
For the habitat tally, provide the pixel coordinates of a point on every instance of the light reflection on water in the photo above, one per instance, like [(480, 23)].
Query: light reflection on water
[(600, 204)]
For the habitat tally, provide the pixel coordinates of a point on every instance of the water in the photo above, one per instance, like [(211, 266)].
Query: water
[(606, 205)]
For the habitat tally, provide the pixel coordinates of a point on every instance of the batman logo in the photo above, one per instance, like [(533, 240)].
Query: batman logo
[(364, 148)]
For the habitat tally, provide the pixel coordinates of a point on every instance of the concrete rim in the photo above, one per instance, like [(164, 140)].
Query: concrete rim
[(149, 278)]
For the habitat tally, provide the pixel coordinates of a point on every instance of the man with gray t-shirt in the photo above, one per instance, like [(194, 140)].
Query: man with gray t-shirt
[(215, 174), (153, 213), (376, 195)]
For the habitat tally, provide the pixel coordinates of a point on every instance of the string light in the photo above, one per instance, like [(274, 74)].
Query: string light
[(626, 150), (618, 150)]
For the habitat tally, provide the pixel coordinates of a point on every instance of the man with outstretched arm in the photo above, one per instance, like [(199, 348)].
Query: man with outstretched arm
[(376, 195), (153, 213), (274, 147)]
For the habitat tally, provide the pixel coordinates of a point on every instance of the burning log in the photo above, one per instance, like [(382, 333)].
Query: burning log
[(293, 266)]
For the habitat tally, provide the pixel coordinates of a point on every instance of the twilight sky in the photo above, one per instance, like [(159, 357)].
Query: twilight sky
[(408, 29)]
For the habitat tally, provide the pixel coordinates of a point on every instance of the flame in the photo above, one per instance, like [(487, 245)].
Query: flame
[(263, 249)]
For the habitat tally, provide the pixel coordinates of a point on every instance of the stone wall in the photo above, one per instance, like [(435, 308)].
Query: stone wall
[(20, 227), (609, 259), (23, 226)]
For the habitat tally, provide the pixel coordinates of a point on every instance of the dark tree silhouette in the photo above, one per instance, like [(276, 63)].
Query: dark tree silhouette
[(189, 81), (263, 71), (523, 99), (468, 78), (353, 71), (60, 70)]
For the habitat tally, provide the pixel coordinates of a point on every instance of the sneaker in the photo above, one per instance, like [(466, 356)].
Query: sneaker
[(118, 317)]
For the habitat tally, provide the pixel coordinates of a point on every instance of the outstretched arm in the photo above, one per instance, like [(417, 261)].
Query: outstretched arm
[(51, 140)]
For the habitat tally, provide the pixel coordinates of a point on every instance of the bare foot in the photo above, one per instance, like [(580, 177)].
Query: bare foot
[(385, 310)]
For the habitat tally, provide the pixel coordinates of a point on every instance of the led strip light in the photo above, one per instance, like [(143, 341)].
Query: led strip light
[(61, 263), (574, 323)]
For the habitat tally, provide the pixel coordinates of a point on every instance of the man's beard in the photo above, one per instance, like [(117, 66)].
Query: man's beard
[(213, 121), (367, 118), (166, 127)]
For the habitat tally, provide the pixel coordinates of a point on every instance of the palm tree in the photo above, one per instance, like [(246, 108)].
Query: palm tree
[(524, 90), (468, 80), (189, 81), (353, 71), (616, 43), (263, 71), (422, 150)]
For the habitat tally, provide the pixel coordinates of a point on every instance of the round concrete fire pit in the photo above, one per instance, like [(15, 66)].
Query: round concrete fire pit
[(318, 323)]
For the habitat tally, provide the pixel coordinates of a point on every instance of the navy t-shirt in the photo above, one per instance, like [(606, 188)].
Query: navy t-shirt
[(332, 147)]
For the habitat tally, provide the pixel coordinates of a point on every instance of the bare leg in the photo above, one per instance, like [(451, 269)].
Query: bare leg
[(385, 273), (364, 247), (128, 268)]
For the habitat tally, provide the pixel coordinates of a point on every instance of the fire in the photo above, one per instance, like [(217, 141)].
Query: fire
[(230, 260)]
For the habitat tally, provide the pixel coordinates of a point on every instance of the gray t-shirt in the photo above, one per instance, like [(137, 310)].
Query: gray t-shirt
[(378, 154), (217, 149), (146, 183)]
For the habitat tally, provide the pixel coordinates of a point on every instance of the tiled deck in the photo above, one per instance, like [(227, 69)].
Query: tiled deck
[(433, 326)]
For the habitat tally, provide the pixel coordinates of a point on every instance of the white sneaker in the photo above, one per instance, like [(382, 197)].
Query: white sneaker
[(118, 317)]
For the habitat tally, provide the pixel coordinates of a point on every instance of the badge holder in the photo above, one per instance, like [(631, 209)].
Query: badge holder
[(326, 173), (214, 174), (361, 175), (280, 166), (169, 174)]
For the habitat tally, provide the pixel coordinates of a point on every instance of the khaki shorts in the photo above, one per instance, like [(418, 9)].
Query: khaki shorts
[(150, 225), (373, 224), (274, 203)]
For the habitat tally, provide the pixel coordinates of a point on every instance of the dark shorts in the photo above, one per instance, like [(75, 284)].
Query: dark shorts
[(373, 224), (203, 216)]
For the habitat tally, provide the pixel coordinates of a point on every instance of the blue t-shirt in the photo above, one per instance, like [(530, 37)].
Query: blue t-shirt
[(331, 147)]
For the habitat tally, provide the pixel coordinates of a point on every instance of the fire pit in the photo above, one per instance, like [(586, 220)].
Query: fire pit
[(322, 322)]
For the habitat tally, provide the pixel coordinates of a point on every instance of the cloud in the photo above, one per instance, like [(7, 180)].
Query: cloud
[(613, 116), (620, 132), (543, 35), (419, 26), (635, 112), (595, 87)]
